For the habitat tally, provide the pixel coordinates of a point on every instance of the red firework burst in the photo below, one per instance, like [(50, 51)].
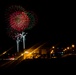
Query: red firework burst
[(19, 21)]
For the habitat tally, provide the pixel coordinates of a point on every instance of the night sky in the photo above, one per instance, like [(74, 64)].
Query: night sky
[(56, 22)]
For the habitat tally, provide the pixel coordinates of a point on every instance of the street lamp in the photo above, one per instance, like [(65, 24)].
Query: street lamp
[(53, 47), (73, 45), (68, 48)]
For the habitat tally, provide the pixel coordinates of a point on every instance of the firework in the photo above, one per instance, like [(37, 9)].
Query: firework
[(19, 20)]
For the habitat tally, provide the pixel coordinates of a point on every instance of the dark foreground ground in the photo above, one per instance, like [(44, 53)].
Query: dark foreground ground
[(36, 66)]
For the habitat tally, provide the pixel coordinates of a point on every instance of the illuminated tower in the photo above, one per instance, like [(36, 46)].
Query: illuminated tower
[(18, 41), (21, 36)]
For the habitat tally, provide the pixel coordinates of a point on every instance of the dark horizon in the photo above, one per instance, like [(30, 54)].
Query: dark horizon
[(56, 22)]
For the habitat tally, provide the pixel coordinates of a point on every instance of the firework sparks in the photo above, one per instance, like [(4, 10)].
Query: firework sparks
[(19, 21)]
